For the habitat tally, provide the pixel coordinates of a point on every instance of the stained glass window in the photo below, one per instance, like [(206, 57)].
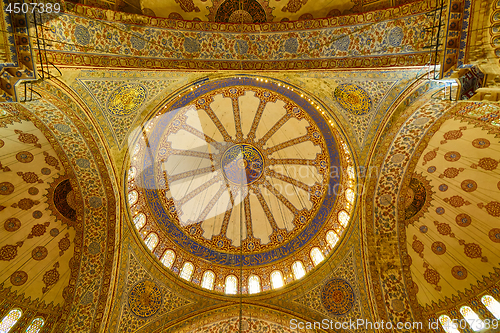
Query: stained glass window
[(332, 238), (447, 324), (298, 270), (253, 284), (474, 322), (187, 271), (139, 221), (317, 256), (10, 320), (277, 280), (132, 197), (131, 173), (231, 285), (151, 241), (208, 280), (492, 305), (343, 218), (35, 326), (349, 195), (168, 258)]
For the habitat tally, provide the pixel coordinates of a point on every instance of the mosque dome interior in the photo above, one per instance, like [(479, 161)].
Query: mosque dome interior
[(250, 166)]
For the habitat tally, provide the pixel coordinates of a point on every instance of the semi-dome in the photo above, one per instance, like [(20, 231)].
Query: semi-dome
[(240, 181)]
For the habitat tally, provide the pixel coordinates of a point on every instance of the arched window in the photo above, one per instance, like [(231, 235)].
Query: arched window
[(277, 280), (208, 280), (10, 320), (187, 271), (231, 285), (472, 318), (447, 324), (349, 195), (168, 258), (492, 305), (332, 238), (298, 270), (151, 241), (253, 284), (36, 325), (131, 173), (343, 218), (317, 256), (139, 221), (132, 197)]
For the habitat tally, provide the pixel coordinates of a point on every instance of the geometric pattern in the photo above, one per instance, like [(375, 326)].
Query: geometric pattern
[(337, 296)]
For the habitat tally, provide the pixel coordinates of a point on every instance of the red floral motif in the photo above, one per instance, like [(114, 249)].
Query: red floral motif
[(487, 163), (28, 138), (64, 244), (493, 208), (50, 160), (444, 228), (468, 185), (18, 278), (25, 203), (9, 252), (30, 177), (432, 276), (38, 230), (453, 135), (473, 250), (452, 156), (481, 143), (50, 278), (418, 246), (456, 201), (430, 156), (451, 172), (438, 248)]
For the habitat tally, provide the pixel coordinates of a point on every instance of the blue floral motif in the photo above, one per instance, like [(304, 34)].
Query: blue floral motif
[(395, 36), (342, 43)]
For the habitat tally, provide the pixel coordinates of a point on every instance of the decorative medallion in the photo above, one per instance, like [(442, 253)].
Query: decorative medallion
[(18, 278), (423, 229), (30, 177), (38, 230), (54, 232), (494, 235), (82, 35), (9, 252), (463, 220), (487, 163), (443, 187), (337, 297), (51, 160), (33, 191), (481, 143), (493, 208), (39, 253), (25, 204), (50, 277), (28, 138), (6, 188), (438, 248), (126, 99), (456, 201), (45, 171), (353, 99), (145, 299), (452, 156), (440, 210), (459, 272), (451, 172), (453, 135), (24, 156), (431, 169), (12, 224), (233, 11), (430, 156), (418, 246), (242, 164), (468, 185)]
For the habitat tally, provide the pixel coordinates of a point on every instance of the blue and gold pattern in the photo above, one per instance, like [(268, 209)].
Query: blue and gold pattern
[(337, 297), (145, 299), (126, 99), (353, 99), (242, 164)]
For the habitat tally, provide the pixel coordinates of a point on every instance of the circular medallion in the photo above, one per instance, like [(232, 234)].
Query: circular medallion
[(396, 36), (242, 164), (82, 35), (37, 214), (33, 191), (2, 143), (145, 299), (126, 99), (423, 229), (452, 156), (463, 220), (39, 253), (18, 278), (54, 232), (443, 187), (494, 235), (481, 143), (468, 185), (12, 224), (431, 169), (24, 156), (6, 188), (438, 248), (45, 171), (440, 210), (353, 99), (337, 297), (459, 272)]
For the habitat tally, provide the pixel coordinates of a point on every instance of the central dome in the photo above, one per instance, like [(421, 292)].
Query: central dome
[(237, 173)]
